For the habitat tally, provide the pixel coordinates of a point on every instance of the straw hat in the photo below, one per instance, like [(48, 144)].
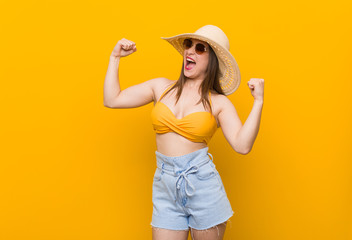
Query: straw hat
[(230, 76)]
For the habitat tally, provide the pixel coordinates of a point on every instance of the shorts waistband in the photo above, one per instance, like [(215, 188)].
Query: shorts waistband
[(175, 164), (182, 166)]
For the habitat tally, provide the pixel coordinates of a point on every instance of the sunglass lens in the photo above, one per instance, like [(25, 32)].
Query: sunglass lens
[(200, 48), (187, 43)]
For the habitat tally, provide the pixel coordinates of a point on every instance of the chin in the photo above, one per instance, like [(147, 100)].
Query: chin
[(187, 75)]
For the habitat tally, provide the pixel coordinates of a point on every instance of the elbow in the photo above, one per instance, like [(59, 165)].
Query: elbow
[(105, 102), (241, 147), (245, 152), (112, 103), (106, 105), (242, 150)]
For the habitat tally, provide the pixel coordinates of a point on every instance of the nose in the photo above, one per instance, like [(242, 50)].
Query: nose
[(191, 50)]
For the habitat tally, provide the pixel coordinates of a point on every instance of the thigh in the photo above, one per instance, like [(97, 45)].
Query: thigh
[(214, 233), (166, 234)]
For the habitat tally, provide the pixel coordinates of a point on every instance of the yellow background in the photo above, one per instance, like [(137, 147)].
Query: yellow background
[(74, 169)]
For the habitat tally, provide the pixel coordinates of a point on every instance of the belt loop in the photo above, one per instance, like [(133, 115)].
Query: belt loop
[(162, 168), (211, 156)]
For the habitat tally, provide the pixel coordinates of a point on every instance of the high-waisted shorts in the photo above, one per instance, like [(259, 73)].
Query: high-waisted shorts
[(188, 192)]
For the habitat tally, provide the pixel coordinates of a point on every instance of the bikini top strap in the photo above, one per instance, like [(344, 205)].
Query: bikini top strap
[(166, 90), (210, 98)]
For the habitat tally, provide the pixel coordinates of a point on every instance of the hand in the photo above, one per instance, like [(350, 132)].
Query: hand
[(123, 48), (256, 85)]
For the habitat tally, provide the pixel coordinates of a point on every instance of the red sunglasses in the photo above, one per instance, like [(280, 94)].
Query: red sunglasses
[(200, 48)]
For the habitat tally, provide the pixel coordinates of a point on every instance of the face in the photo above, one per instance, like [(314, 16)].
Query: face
[(201, 60)]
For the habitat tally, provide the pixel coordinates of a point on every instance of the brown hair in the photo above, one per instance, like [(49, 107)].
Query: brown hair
[(211, 81)]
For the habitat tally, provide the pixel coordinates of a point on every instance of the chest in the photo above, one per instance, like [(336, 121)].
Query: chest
[(187, 107)]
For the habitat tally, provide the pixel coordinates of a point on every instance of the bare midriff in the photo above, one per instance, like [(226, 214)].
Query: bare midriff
[(172, 144)]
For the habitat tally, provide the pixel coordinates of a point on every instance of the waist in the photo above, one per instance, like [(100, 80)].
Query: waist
[(175, 163)]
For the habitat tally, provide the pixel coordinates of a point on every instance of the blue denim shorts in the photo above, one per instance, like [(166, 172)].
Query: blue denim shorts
[(188, 192)]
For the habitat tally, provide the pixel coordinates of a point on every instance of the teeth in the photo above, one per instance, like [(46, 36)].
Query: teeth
[(190, 60)]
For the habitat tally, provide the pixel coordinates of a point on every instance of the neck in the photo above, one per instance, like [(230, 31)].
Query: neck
[(193, 83)]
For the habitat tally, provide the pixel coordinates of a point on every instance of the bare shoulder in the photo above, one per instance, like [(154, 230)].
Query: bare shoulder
[(220, 101), (159, 85), (165, 82)]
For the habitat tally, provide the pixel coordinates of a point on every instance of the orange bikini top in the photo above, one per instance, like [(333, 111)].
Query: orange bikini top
[(196, 126)]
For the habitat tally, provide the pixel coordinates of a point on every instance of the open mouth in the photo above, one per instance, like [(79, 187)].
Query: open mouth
[(189, 64)]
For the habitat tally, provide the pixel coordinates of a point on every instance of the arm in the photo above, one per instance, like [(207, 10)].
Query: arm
[(131, 97), (134, 96), (240, 137), (248, 132), (230, 123), (111, 83)]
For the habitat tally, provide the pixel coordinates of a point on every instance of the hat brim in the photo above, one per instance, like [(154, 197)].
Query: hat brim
[(230, 76)]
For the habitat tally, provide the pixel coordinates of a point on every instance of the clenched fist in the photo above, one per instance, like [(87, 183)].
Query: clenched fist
[(123, 48), (256, 85)]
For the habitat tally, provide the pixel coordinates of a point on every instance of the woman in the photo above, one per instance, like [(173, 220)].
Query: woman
[(188, 193)]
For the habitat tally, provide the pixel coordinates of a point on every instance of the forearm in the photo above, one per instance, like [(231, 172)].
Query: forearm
[(111, 84), (248, 133)]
